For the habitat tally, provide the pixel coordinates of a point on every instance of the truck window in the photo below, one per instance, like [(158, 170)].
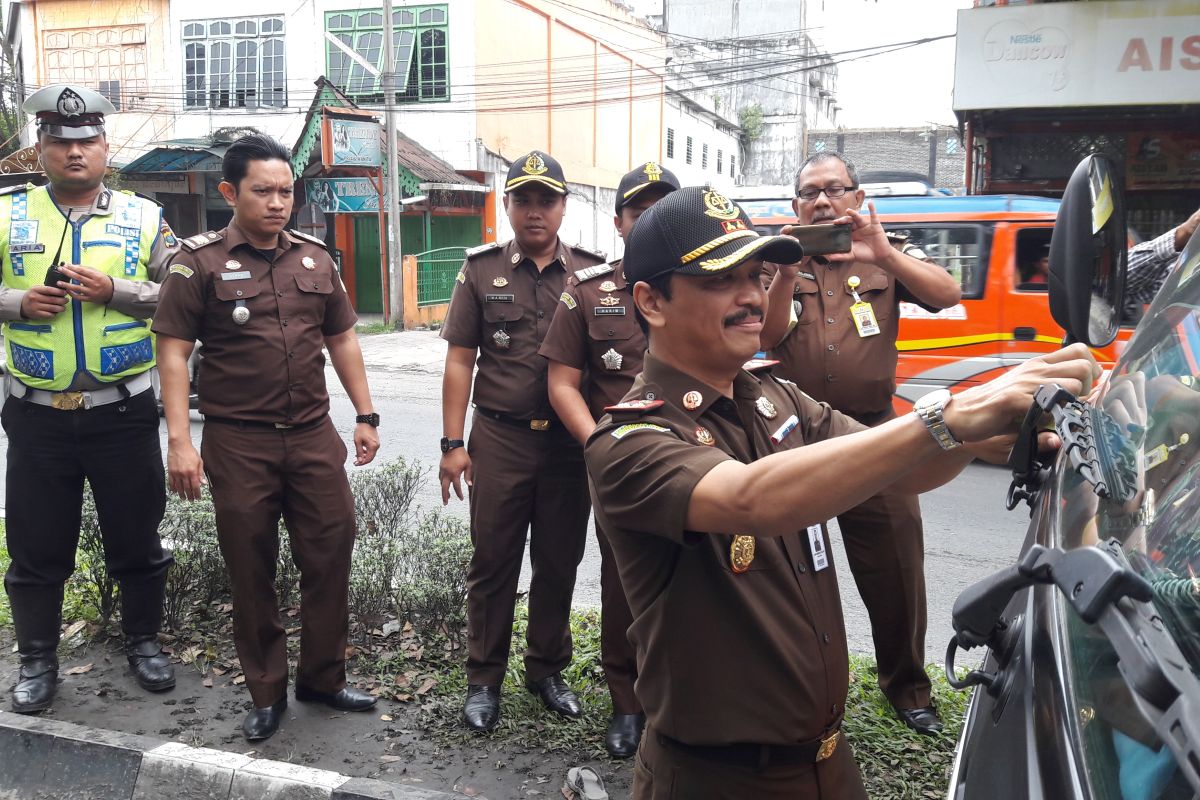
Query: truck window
[(1033, 260), (961, 250)]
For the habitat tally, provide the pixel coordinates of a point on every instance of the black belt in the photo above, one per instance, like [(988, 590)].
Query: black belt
[(760, 756), (275, 426), (527, 424)]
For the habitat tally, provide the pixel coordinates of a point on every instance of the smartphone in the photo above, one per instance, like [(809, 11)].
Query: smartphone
[(818, 240), (54, 275)]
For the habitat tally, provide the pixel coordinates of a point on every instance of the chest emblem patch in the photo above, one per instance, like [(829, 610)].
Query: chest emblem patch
[(704, 436), (765, 407), (741, 553), (308, 262), (608, 286), (233, 264), (500, 282)]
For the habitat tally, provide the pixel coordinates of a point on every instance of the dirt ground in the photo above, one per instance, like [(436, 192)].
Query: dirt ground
[(102, 694)]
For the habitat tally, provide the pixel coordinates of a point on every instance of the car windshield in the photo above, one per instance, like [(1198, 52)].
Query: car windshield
[(1149, 412)]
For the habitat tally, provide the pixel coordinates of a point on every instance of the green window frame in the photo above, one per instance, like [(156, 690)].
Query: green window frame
[(421, 42)]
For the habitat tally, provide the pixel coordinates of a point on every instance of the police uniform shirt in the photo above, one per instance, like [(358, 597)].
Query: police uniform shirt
[(135, 298), (501, 299), (594, 328), (824, 354), (722, 657), (271, 368)]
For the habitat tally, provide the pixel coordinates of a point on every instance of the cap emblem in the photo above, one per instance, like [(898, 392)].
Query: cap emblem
[(653, 171), (70, 104), (534, 165), (719, 206)]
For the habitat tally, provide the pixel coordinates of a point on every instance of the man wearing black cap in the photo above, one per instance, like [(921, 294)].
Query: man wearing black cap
[(523, 469), (595, 339), (714, 485), (81, 271)]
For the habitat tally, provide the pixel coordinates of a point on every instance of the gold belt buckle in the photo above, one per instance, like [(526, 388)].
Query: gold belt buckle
[(282, 426), (828, 745), (66, 401), (539, 424)]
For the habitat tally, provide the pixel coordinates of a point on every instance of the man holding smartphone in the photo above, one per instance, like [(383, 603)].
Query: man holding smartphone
[(81, 271), (837, 342)]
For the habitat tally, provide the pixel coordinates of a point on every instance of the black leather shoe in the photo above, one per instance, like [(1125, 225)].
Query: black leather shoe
[(482, 709), (261, 723), (348, 699), (150, 666), (924, 720), (36, 684), (556, 695), (624, 734)]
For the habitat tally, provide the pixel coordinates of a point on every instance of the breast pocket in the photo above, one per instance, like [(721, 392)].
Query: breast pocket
[(313, 293), (873, 289), (232, 291), (807, 297), (502, 313)]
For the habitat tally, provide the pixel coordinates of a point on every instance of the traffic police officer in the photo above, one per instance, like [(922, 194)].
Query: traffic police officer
[(524, 470), (713, 486), (595, 349), (80, 403), (264, 301), (840, 348)]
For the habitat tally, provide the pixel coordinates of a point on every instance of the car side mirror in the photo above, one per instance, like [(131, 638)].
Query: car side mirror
[(1087, 254)]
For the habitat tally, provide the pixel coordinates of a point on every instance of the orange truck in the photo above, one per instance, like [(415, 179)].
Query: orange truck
[(991, 243)]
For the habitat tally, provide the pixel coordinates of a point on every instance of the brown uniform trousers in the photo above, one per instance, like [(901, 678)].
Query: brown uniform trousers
[(256, 474), (524, 481), (662, 772), (885, 548)]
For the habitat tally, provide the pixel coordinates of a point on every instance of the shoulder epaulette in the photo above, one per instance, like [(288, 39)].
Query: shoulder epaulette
[(633, 407), (759, 364), (20, 187), (201, 240), (307, 238), (587, 273), (481, 249), (587, 251)]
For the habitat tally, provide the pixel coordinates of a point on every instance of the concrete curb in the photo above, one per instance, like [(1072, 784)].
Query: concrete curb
[(44, 759)]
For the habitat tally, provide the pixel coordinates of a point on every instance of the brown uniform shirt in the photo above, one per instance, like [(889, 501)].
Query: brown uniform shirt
[(271, 369), (595, 318), (500, 291), (823, 353), (722, 657)]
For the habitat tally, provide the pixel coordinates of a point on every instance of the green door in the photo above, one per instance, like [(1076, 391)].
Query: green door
[(369, 298), (455, 231)]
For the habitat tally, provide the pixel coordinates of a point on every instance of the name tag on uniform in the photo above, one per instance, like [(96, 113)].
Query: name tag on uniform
[(499, 298), (864, 319), (236, 276), (606, 311), (816, 545), (21, 249)]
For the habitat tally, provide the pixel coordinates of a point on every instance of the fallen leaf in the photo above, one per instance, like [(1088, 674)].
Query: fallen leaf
[(401, 680), (239, 680), (207, 683), (291, 612), (74, 628), (386, 717), (82, 669), (351, 651), (219, 672), (408, 627), (404, 698), (426, 686), (390, 759)]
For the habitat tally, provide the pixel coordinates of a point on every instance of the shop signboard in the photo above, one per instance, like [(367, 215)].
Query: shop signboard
[(343, 195)]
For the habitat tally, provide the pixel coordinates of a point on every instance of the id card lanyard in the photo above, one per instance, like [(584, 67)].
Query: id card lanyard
[(862, 313)]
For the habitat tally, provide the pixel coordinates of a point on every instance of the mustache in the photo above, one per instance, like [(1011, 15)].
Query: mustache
[(743, 315)]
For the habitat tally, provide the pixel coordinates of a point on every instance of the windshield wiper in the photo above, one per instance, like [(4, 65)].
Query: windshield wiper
[(1098, 448), (1104, 590)]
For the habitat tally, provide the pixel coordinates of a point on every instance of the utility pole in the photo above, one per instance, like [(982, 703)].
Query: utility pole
[(395, 252)]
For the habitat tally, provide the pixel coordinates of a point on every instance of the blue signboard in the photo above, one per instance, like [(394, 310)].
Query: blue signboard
[(354, 143), (343, 195)]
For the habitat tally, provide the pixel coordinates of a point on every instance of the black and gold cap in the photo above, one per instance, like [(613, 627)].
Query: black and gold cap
[(639, 180), (537, 167), (699, 231)]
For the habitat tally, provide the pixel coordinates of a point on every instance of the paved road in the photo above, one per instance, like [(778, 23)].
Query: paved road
[(968, 534)]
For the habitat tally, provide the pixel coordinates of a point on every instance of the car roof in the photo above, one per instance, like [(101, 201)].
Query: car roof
[(979, 206)]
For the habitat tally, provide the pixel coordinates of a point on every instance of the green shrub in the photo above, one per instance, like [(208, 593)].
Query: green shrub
[(198, 576), (5, 611), (431, 584), (90, 593)]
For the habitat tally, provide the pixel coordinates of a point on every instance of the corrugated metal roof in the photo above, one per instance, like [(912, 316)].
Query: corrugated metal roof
[(179, 159), (425, 165)]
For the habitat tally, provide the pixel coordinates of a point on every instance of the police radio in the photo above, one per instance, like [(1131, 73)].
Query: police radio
[(54, 274)]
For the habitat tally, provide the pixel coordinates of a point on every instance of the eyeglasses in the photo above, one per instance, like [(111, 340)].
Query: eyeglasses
[(811, 193)]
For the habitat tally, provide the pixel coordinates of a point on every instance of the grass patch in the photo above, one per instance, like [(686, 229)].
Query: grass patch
[(898, 763), (372, 328), (5, 611)]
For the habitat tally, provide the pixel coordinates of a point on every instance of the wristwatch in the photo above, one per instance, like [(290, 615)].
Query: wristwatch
[(371, 419), (451, 444), (929, 408)]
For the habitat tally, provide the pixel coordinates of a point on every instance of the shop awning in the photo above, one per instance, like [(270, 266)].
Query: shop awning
[(179, 159)]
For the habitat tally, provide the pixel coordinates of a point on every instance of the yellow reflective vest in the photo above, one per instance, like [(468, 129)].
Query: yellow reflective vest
[(85, 338)]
